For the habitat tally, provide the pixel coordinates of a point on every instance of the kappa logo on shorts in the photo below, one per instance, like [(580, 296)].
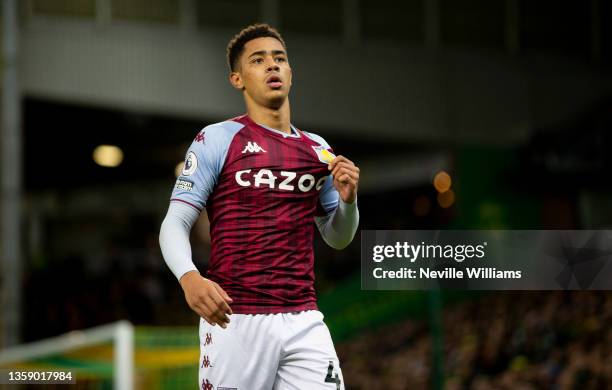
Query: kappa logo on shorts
[(252, 147), (206, 362), (206, 385), (208, 339)]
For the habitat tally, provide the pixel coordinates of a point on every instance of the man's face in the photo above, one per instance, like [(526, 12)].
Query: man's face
[(263, 72)]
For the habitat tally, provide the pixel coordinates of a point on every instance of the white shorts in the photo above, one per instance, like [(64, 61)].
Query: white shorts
[(269, 351)]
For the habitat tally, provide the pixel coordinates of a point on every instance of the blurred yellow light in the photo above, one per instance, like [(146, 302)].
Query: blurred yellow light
[(108, 156), (446, 199), (421, 206), (179, 168), (442, 181)]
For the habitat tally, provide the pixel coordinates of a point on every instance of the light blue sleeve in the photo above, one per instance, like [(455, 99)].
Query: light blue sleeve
[(203, 164), (174, 238), (339, 223), (328, 196)]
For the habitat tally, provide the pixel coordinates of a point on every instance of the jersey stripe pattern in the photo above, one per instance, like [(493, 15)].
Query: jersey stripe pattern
[(262, 189)]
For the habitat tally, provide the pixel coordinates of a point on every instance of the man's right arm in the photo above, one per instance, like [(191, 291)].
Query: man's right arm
[(203, 164), (203, 296), (174, 238)]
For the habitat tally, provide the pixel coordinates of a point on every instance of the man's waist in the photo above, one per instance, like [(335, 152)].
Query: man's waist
[(249, 308)]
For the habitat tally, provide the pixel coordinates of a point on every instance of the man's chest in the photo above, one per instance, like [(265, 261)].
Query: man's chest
[(275, 164)]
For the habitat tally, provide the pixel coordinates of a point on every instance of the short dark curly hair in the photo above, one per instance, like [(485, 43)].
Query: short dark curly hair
[(254, 31)]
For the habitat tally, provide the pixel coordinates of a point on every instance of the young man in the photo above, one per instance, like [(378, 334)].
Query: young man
[(263, 182)]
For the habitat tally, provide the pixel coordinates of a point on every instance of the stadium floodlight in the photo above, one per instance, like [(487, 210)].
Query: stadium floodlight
[(109, 156), (120, 334)]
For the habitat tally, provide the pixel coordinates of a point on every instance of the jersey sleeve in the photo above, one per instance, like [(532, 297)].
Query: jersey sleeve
[(328, 196), (203, 164), (337, 221)]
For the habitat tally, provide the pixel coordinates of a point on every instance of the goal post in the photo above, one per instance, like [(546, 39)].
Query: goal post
[(119, 334), (115, 356)]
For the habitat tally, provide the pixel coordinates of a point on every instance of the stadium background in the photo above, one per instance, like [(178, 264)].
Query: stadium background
[(511, 98)]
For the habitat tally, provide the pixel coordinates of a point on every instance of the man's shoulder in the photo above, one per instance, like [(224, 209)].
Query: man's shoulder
[(220, 133), (316, 138), (229, 126)]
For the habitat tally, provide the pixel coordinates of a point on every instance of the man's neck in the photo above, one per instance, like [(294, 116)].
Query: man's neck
[(279, 119)]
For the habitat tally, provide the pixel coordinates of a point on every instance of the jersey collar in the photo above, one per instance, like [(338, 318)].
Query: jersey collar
[(295, 133)]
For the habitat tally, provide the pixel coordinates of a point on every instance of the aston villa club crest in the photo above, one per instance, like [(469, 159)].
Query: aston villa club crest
[(324, 154)]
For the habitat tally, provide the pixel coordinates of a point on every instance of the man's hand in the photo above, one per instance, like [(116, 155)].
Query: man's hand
[(346, 178), (206, 298)]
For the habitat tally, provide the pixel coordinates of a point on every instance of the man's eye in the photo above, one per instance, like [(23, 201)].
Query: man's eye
[(257, 61), (280, 59)]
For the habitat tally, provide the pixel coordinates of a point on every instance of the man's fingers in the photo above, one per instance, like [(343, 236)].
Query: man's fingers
[(222, 293), (210, 321), (347, 166), (209, 301), (211, 312), (337, 160), (203, 311), (220, 318), (207, 308), (220, 306), (219, 303), (346, 179), (342, 164), (226, 300), (342, 172)]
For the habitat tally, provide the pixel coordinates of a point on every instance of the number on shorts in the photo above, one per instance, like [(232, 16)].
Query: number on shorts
[(331, 378)]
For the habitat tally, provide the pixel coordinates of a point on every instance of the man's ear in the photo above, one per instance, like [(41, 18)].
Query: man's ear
[(236, 80)]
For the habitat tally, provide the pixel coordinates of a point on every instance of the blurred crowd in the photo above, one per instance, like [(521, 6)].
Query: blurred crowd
[(133, 284), (500, 341)]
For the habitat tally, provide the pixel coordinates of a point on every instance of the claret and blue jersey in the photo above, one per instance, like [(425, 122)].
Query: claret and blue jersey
[(262, 188)]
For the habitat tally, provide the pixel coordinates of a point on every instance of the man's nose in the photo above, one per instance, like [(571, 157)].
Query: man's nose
[(273, 66)]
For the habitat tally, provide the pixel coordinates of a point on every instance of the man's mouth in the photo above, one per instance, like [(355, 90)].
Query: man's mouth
[(274, 82)]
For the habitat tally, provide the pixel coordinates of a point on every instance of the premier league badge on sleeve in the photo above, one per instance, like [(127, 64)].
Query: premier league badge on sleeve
[(324, 154), (191, 164)]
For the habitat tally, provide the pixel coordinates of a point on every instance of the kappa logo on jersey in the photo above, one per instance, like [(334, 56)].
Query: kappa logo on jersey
[(206, 385), (199, 137), (252, 147), (191, 164), (324, 154), (265, 177)]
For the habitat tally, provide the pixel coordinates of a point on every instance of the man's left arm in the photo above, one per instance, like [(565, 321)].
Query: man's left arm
[(339, 193)]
